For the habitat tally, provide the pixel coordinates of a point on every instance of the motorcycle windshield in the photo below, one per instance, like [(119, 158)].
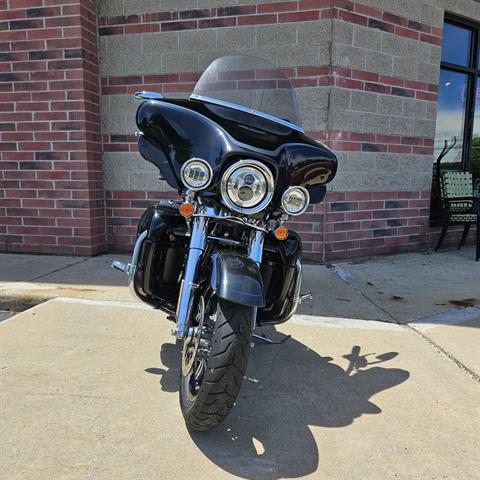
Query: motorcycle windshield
[(251, 85)]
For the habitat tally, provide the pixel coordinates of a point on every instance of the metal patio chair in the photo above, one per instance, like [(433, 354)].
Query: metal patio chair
[(460, 206)]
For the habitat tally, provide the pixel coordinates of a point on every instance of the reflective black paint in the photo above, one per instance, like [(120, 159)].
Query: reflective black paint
[(176, 130), (236, 278), (163, 253), (279, 270), (161, 257)]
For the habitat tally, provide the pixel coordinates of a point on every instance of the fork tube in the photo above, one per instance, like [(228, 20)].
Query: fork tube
[(255, 252), (255, 246), (196, 248)]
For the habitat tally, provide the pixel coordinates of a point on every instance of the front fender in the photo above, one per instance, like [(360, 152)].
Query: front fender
[(237, 278)]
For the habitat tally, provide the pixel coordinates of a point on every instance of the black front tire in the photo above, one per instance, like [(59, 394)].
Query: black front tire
[(224, 368)]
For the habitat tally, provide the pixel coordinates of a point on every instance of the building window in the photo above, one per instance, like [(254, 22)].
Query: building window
[(458, 112)]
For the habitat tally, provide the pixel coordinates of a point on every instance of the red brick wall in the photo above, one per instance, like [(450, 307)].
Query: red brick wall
[(51, 192), (123, 212), (376, 223), (345, 225), (270, 13)]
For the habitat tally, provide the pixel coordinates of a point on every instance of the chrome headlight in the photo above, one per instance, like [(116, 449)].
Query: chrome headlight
[(196, 174), (295, 200), (247, 186)]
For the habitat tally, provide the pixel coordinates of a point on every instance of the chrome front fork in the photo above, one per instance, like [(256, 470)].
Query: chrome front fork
[(255, 252), (255, 246), (198, 240)]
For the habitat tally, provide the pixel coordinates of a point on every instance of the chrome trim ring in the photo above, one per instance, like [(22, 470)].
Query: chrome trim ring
[(268, 179), (252, 111), (307, 196), (204, 162)]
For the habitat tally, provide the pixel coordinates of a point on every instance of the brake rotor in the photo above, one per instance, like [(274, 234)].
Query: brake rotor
[(193, 338)]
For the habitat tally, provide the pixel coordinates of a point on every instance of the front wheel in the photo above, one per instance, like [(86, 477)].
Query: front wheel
[(214, 364)]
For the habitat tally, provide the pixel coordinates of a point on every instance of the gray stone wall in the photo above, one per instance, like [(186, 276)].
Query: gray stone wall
[(336, 107), (285, 45)]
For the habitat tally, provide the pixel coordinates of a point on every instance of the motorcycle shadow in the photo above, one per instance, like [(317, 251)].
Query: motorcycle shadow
[(287, 388)]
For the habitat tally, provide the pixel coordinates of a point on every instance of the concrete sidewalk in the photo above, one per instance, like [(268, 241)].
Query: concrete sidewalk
[(379, 379), (433, 290)]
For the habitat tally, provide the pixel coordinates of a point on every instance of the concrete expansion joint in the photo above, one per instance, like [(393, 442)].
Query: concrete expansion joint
[(59, 269), (346, 276), (455, 316), (444, 353)]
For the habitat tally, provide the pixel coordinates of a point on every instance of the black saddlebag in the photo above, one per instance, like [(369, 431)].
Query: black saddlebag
[(162, 256), (280, 271)]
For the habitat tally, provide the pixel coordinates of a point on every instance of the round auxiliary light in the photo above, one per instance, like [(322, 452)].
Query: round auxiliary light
[(247, 186), (295, 200), (196, 174)]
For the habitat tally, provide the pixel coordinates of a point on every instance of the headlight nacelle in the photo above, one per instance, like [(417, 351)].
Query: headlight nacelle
[(247, 186)]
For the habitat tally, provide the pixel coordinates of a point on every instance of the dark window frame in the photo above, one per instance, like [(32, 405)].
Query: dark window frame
[(473, 73)]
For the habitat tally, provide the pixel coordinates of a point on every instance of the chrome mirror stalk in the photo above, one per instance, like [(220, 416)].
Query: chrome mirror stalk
[(148, 96)]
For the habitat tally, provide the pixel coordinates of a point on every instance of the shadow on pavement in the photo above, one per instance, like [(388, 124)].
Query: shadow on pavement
[(287, 388)]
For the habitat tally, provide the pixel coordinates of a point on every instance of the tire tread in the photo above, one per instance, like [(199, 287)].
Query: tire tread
[(230, 347)]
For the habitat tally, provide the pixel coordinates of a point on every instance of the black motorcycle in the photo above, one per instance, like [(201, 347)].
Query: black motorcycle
[(221, 261)]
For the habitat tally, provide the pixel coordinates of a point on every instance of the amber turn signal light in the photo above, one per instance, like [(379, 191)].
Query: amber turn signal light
[(186, 210), (281, 232)]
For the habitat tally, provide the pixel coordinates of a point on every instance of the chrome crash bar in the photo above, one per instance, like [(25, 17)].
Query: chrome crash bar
[(131, 268)]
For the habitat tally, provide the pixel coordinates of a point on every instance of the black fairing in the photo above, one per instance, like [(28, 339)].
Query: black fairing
[(177, 130)]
